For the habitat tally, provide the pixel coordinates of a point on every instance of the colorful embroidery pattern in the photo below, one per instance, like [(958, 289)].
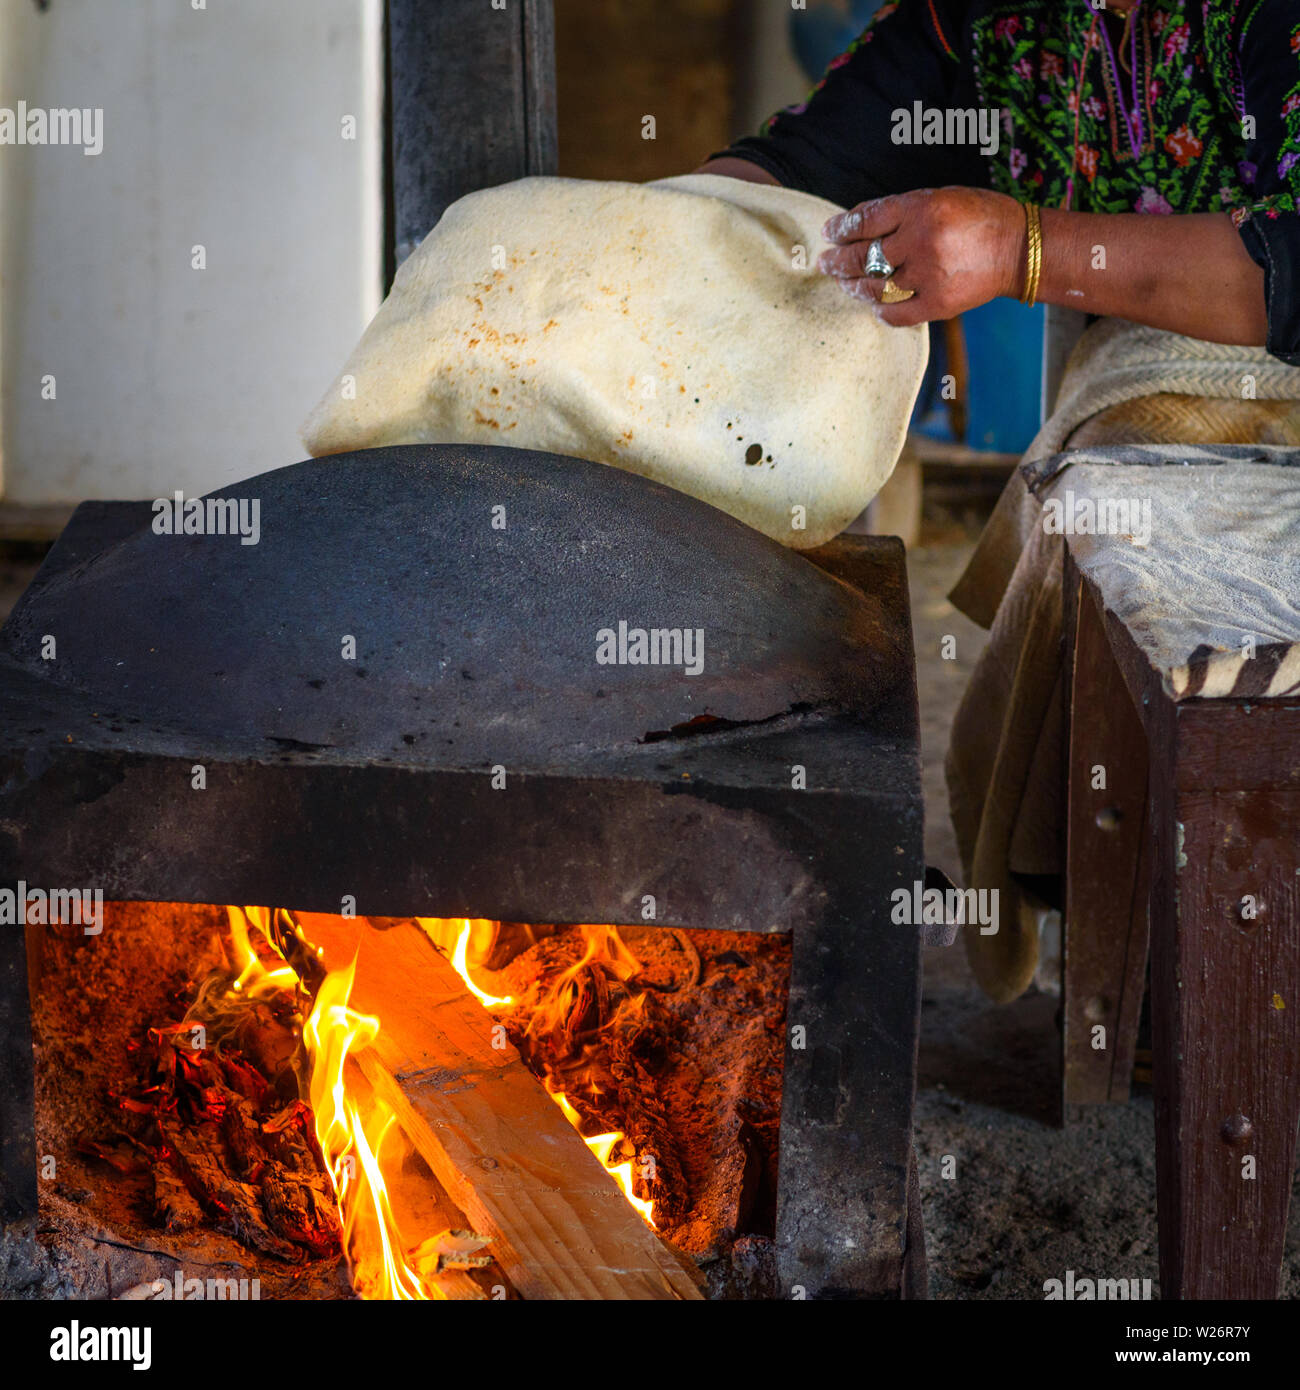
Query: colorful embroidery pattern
[(1154, 120), (1151, 125)]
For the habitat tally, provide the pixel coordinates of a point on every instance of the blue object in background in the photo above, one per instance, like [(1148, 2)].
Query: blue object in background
[(1004, 350), (1004, 340)]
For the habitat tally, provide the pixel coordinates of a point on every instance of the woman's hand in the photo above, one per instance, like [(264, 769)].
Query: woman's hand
[(956, 247)]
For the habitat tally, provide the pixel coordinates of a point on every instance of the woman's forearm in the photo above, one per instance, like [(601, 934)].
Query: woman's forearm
[(957, 248), (733, 168), (1190, 274)]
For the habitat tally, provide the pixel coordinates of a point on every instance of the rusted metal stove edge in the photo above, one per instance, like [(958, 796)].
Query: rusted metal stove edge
[(576, 848)]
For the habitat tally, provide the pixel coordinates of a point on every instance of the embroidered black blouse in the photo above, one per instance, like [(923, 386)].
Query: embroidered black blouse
[(1195, 107)]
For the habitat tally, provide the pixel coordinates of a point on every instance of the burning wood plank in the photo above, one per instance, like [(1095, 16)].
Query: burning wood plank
[(449, 1250), (557, 1222), (420, 1203)]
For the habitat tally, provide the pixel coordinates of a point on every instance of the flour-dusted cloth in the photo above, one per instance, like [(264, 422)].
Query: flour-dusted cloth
[(1125, 385), (1115, 364), (1206, 575), (678, 329)]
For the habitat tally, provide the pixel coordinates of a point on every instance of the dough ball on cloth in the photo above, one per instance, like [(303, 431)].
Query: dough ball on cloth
[(677, 329)]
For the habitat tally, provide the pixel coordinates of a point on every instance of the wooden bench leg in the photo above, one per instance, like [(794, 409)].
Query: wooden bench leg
[(1226, 1032), (1108, 846)]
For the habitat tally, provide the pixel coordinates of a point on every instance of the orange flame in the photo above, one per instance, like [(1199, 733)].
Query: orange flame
[(349, 1143), (461, 965), (602, 943), (602, 1145)]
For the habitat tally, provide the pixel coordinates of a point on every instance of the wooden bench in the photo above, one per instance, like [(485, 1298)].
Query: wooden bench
[(1196, 832)]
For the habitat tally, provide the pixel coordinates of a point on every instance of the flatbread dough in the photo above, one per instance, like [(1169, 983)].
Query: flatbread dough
[(679, 330)]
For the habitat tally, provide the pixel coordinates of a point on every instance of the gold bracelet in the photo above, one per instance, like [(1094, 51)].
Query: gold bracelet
[(1033, 253)]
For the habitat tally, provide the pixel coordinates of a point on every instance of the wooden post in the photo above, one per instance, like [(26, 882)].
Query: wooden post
[(1224, 815), (473, 104), (1225, 997), (1107, 866)]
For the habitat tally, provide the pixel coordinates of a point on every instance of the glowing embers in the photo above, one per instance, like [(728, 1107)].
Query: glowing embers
[(578, 1032), (571, 1031)]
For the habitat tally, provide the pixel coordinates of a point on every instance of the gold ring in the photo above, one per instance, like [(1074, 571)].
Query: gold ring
[(891, 294)]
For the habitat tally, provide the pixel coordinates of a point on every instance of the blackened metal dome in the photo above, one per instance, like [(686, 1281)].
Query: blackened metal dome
[(475, 643)]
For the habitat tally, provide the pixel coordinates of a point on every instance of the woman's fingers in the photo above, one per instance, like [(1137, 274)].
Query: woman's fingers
[(908, 312), (848, 262), (863, 288), (867, 221), (956, 247), (873, 287), (902, 314)]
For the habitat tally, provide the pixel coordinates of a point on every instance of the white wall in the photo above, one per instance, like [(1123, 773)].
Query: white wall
[(222, 127)]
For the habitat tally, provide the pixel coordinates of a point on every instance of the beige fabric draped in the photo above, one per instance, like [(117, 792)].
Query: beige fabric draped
[(1125, 384)]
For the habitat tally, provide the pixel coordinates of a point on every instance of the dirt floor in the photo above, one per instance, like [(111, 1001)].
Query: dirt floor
[(1028, 1200)]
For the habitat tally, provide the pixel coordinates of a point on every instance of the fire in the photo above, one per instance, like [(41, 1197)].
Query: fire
[(350, 1143), (274, 958), (256, 979), (461, 965), (603, 945), (602, 1145)]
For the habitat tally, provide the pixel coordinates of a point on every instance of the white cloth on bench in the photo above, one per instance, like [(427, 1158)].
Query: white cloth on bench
[(1006, 754), (1212, 595)]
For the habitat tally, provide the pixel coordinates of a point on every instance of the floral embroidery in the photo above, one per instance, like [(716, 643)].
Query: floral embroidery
[(1184, 149), (1183, 145), (1151, 201), (1152, 118), (1289, 154), (1176, 41)]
